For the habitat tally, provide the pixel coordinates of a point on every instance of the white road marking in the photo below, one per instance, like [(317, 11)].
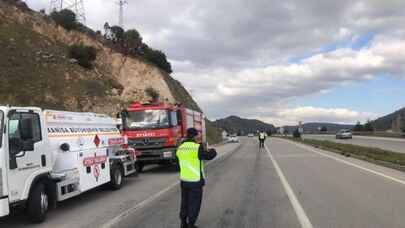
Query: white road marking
[(299, 211), (152, 198), (349, 163), (138, 206)]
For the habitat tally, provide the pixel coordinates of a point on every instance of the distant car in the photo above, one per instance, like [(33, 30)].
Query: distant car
[(233, 139), (344, 134), (250, 135)]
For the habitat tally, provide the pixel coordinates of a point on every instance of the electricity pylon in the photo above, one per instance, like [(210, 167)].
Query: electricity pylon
[(77, 6), (121, 4)]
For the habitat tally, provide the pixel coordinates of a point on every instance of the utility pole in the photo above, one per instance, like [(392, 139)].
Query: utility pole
[(121, 4), (76, 6)]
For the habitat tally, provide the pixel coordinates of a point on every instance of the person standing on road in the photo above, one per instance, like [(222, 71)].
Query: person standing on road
[(262, 138), (190, 156)]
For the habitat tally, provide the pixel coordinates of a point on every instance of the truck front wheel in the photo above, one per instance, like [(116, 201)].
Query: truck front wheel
[(116, 177), (37, 205)]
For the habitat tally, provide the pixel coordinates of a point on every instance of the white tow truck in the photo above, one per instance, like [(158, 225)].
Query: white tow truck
[(49, 156)]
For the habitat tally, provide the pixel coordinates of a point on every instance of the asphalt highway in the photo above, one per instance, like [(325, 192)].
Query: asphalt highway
[(100, 206), (392, 144), (286, 185), (308, 188)]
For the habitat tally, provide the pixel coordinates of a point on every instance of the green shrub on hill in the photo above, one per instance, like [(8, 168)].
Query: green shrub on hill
[(65, 18), (157, 57), (85, 55)]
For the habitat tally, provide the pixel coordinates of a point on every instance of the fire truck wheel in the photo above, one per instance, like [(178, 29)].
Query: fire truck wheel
[(116, 178), (37, 204), (139, 167)]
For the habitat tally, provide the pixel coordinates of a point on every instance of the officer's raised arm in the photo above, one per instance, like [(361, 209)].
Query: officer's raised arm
[(204, 154)]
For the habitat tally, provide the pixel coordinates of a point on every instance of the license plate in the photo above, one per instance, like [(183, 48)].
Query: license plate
[(167, 154)]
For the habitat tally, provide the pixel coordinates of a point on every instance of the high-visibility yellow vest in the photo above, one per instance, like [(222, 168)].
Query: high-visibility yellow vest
[(262, 135), (191, 167)]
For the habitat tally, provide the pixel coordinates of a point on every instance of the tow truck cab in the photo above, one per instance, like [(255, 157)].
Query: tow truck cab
[(4, 205), (50, 156), (24, 159)]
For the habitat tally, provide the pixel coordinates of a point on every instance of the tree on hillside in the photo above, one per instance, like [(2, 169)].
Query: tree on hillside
[(65, 18), (85, 55), (157, 57), (107, 31), (368, 126), (117, 34), (132, 41), (358, 127)]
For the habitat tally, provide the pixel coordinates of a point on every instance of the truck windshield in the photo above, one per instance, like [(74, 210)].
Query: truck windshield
[(1, 128), (147, 119)]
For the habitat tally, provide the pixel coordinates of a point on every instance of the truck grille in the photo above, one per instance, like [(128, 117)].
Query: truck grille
[(147, 143)]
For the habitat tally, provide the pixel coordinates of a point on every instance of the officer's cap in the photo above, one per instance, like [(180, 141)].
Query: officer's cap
[(192, 132)]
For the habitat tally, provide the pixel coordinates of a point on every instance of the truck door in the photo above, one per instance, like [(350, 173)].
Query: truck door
[(26, 148)]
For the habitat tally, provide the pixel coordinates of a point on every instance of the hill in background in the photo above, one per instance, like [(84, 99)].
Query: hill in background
[(314, 127), (394, 122), (235, 124)]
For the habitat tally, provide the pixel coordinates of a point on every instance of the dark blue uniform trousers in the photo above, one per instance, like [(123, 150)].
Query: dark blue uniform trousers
[(191, 197)]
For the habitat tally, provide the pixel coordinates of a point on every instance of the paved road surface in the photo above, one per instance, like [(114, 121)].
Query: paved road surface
[(393, 144), (242, 191), (97, 207), (247, 189)]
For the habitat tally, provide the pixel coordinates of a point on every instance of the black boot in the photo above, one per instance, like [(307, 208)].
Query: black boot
[(184, 224), (192, 226)]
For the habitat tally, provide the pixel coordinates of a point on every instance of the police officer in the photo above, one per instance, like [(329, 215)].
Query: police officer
[(190, 156), (262, 138)]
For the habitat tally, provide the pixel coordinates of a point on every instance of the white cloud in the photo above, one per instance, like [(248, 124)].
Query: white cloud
[(224, 91), (233, 54), (291, 116)]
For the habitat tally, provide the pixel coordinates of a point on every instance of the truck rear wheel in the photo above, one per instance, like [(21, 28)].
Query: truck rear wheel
[(116, 178), (37, 206)]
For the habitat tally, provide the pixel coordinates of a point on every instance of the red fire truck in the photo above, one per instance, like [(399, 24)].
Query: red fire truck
[(157, 129)]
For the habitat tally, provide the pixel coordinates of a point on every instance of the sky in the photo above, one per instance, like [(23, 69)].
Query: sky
[(338, 61)]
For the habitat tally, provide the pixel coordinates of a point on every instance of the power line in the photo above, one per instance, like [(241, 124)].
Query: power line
[(76, 6)]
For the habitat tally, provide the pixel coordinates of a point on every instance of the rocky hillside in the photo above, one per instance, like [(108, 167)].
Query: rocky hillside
[(35, 69), (394, 121)]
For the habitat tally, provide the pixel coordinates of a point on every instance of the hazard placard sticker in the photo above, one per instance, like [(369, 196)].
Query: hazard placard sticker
[(96, 172), (90, 161), (116, 141)]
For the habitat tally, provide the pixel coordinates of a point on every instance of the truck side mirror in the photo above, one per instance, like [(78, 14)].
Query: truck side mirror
[(26, 129), (124, 114), (179, 117)]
